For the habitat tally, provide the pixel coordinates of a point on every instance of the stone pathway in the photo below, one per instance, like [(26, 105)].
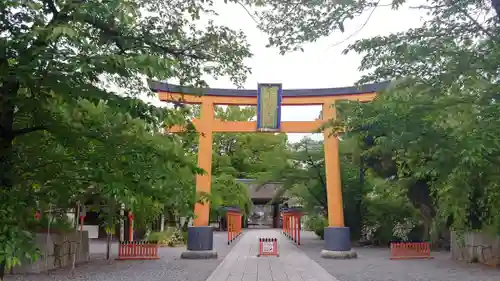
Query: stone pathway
[(242, 263), (239, 262)]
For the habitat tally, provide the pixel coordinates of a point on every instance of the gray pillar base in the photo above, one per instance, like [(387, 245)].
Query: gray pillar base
[(200, 243), (199, 255), (338, 244), (341, 255)]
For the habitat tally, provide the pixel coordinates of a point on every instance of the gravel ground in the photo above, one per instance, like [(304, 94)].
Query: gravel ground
[(373, 264), (169, 268)]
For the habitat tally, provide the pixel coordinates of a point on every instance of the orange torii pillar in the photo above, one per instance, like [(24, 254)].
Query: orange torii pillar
[(233, 221), (268, 98), (292, 223)]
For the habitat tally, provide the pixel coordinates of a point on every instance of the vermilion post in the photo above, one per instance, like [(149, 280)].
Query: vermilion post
[(298, 232), (286, 224), (82, 219), (131, 226)]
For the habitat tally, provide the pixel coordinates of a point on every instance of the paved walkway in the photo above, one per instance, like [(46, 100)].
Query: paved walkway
[(242, 263)]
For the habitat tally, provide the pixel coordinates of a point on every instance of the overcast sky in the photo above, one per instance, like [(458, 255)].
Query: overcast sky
[(321, 65)]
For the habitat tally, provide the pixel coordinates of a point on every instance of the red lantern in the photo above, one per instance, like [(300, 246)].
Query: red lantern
[(37, 215)]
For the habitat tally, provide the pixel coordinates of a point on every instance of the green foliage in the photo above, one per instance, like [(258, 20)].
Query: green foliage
[(317, 224), (160, 236), (384, 214), (57, 224), (227, 192), (171, 237), (245, 155), (67, 136), (434, 133)]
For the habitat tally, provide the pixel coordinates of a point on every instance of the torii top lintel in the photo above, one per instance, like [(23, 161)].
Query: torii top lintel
[(188, 95)]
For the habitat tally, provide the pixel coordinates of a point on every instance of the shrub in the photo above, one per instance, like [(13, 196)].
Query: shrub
[(171, 237), (161, 236), (58, 224), (317, 224), (388, 219)]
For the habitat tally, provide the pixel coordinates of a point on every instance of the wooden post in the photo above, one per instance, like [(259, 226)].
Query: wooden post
[(162, 222), (203, 182), (122, 222), (332, 171), (131, 226)]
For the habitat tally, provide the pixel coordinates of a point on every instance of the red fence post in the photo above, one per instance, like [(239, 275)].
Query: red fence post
[(296, 227), (228, 222), (299, 226), (289, 225)]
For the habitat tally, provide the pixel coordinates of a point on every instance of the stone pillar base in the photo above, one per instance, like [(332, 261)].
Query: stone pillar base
[(200, 244), (199, 255), (341, 255), (338, 244)]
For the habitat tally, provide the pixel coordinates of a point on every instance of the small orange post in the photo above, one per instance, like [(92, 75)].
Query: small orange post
[(285, 223), (288, 225), (298, 229), (83, 214)]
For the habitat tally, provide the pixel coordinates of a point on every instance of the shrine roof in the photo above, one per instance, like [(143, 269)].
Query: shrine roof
[(157, 86)]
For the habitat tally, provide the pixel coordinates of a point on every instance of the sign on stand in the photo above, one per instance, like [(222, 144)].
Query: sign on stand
[(268, 247)]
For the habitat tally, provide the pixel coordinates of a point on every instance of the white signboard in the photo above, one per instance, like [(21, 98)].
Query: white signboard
[(267, 247)]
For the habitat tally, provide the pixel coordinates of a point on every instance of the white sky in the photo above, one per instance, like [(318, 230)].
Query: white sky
[(321, 65)]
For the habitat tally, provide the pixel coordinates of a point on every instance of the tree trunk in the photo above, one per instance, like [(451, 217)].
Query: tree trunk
[(171, 218), (108, 246), (428, 218), (162, 222), (359, 200), (73, 259), (2, 269), (8, 92), (7, 105)]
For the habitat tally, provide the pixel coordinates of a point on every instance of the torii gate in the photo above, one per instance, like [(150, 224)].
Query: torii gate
[(268, 98)]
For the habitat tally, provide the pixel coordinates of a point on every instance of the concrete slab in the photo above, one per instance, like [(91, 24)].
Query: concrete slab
[(242, 263)]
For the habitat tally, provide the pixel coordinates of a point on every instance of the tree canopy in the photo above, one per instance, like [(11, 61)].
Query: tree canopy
[(72, 124), (433, 131)]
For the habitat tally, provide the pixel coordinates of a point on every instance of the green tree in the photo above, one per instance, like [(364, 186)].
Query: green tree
[(304, 178), (242, 155), (59, 63), (434, 131)]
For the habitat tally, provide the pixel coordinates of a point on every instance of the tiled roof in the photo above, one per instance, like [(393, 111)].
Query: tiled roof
[(157, 86), (267, 191)]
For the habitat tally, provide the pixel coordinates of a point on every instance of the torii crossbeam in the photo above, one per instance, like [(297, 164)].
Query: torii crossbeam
[(268, 98)]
